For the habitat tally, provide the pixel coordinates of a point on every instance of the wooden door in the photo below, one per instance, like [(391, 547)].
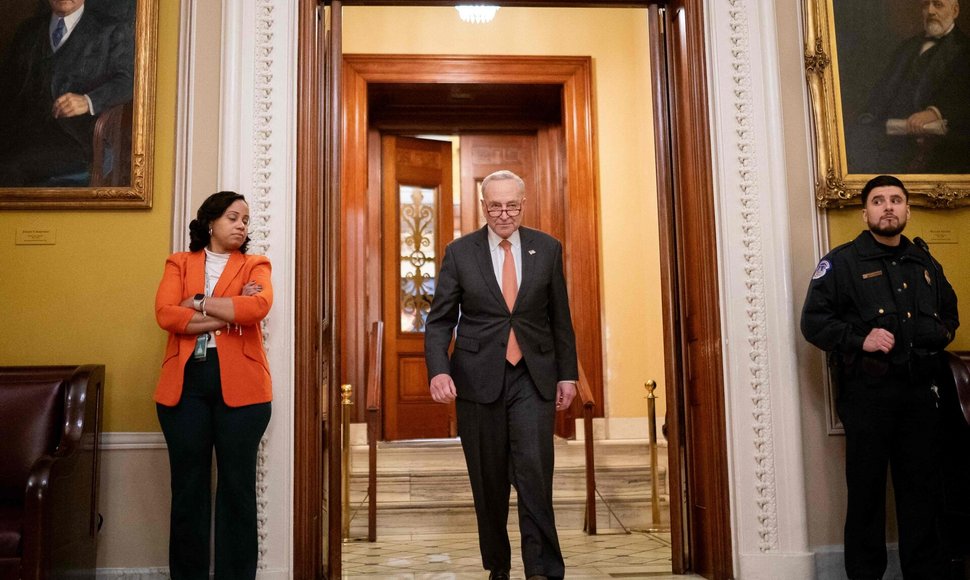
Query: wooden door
[(417, 225), (535, 158), (484, 154)]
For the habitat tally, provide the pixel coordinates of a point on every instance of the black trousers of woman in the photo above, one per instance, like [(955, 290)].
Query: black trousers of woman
[(200, 422)]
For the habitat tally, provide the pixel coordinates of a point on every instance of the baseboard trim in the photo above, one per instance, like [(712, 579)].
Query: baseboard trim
[(160, 573), (132, 574), (132, 440)]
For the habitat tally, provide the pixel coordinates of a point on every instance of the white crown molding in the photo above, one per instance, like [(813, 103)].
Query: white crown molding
[(768, 508)]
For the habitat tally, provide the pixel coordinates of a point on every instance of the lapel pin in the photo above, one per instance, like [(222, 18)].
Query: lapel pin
[(532, 252)]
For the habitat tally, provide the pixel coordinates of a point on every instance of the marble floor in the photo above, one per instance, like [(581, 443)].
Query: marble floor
[(455, 556)]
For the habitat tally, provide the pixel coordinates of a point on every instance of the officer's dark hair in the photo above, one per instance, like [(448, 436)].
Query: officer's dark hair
[(882, 181), (212, 208)]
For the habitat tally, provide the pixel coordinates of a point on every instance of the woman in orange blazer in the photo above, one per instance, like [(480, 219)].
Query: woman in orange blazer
[(215, 389)]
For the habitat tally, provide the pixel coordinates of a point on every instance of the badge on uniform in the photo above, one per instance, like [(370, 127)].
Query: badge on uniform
[(926, 274), (872, 274), (823, 267)]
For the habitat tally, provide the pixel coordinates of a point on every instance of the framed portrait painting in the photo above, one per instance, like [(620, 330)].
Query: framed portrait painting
[(889, 82), (77, 91)]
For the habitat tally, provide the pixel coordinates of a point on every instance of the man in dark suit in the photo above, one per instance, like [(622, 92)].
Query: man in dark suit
[(63, 69), (513, 366), (917, 119)]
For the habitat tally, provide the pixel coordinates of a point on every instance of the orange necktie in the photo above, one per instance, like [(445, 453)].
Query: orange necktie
[(513, 353)]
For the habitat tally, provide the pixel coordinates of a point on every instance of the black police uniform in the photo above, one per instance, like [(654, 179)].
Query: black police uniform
[(886, 401)]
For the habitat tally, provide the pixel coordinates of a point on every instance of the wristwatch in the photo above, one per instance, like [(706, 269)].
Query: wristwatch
[(197, 301)]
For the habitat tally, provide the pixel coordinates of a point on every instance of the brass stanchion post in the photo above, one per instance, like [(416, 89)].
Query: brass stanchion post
[(651, 385), (345, 408)]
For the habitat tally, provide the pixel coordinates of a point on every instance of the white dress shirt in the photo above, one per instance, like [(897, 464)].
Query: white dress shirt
[(498, 255), (70, 21)]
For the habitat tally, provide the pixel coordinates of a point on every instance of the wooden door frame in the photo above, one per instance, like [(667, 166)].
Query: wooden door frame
[(318, 167), (315, 326), (361, 252), (685, 180)]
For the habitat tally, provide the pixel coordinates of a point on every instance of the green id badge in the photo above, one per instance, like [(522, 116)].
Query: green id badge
[(201, 347)]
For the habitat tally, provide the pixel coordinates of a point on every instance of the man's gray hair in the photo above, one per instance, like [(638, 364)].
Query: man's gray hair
[(502, 175)]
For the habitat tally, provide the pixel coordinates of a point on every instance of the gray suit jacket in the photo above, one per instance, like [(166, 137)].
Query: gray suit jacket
[(468, 296)]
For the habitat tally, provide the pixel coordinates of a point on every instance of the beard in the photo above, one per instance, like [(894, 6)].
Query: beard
[(890, 229), (935, 28)]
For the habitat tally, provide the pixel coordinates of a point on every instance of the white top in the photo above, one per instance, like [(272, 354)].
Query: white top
[(498, 255), (214, 265)]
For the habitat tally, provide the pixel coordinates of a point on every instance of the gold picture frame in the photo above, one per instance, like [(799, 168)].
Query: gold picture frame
[(126, 127), (852, 52)]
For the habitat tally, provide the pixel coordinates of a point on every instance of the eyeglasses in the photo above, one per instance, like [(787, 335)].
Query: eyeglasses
[(497, 211)]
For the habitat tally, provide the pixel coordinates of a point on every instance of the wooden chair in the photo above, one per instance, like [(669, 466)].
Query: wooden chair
[(111, 166)]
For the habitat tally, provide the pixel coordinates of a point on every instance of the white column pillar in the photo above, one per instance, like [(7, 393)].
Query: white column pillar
[(768, 504), (257, 155)]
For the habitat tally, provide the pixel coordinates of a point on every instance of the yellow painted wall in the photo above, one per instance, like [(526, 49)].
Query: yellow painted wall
[(617, 41), (846, 224), (90, 297)]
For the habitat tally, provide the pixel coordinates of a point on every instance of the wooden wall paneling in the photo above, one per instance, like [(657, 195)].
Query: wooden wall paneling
[(581, 240), (550, 156), (550, 153), (354, 222), (482, 154)]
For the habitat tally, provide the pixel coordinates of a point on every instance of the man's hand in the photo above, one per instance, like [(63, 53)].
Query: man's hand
[(443, 388), (879, 339), (916, 121), (565, 392), (70, 105)]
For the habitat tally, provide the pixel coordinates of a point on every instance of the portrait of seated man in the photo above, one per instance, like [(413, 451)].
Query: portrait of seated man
[(64, 67), (917, 117)]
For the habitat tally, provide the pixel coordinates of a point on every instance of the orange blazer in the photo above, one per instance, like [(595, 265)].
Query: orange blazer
[(242, 361)]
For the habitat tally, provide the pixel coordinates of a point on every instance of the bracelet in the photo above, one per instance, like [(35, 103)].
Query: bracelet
[(202, 307)]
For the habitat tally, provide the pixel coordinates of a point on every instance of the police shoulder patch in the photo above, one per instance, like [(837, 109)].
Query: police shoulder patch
[(823, 267)]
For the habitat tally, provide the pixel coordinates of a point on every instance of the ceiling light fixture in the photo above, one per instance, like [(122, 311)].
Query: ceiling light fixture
[(478, 13)]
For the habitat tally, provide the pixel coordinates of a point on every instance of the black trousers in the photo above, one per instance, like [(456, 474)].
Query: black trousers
[(200, 422), (510, 442), (892, 424)]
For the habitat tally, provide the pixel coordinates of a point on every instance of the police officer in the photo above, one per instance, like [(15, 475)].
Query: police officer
[(882, 309)]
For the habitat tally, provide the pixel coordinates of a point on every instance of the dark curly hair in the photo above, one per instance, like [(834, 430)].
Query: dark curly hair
[(212, 209), (883, 181)]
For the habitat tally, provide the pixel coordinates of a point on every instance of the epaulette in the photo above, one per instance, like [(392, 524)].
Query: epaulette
[(839, 248)]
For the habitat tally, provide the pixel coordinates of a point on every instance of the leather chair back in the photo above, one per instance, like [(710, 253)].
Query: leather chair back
[(31, 412), (960, 367)]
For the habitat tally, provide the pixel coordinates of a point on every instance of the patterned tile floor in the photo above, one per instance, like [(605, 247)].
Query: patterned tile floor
[(638, 555)]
